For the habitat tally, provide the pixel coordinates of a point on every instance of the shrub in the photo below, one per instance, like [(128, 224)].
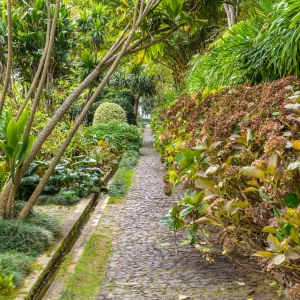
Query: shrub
[(45, 221), (15, 265), (24, 237), (117, 135), (125, 99), (236, 153), (107, 112)]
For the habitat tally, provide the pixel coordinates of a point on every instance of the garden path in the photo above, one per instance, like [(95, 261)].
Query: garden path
[(144, 263)]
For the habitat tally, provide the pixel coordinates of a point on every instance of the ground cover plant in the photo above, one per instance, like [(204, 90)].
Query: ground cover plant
[(21, 243), (119, 188), (237, 155)]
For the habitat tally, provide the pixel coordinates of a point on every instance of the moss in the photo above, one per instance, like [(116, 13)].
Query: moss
[(89, 272)]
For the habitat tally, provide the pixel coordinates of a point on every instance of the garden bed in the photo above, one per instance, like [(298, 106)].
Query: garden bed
[(72, 219)]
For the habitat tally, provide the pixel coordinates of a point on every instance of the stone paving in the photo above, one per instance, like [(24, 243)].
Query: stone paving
[(144, 263)]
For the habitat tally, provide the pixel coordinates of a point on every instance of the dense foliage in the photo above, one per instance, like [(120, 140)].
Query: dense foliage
[(237, 155), (120, 136), (261, 48)]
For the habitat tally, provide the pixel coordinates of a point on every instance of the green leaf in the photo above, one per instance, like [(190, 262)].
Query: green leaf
[(186, 211), (269, 229), (22, 121), (294, 234), (12, 133), (274, 243), (291, 201), (185, 158), (7, 150)]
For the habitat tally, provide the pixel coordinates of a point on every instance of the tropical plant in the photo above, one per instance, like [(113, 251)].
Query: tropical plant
[(246, 51), (138, 82)]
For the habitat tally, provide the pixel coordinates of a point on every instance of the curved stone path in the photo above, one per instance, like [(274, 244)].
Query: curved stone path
[(144, 264)]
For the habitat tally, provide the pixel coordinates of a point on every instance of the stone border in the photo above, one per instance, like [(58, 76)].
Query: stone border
[(37, 283)]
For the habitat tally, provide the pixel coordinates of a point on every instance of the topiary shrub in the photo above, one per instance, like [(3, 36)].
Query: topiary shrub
[(125, 99), (107, 112)]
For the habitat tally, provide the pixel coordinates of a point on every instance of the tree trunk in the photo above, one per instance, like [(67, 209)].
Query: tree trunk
[(136, 106), (44, 73), (231, 12), (40, 66), (9, 55)]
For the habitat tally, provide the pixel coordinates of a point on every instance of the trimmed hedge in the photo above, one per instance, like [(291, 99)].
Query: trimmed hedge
[(107, 112)]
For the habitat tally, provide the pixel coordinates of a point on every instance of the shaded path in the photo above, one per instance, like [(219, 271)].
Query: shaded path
[(144, 264)]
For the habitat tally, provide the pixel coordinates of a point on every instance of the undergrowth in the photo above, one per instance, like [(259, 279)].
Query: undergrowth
[(122, 180), (21, 243)]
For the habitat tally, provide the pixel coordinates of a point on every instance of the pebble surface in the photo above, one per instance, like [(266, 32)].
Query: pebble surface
[(144, 263)]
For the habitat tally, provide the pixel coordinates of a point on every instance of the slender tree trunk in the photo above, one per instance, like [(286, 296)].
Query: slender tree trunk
[(9, 55), (44, 73), (136, 106), (231, 12), (41, 63)]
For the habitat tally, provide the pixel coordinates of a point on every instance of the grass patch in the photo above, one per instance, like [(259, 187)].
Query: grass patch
[(24, 237), (123, 178), (89, 272), (21, 242), (15, 264)]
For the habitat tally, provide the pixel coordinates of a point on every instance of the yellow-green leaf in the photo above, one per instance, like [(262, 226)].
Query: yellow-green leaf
[(269, 229), (250, 189), (264, 254), (253, 172)]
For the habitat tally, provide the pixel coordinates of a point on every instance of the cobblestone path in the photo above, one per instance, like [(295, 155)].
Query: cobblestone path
[(144, 264)]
